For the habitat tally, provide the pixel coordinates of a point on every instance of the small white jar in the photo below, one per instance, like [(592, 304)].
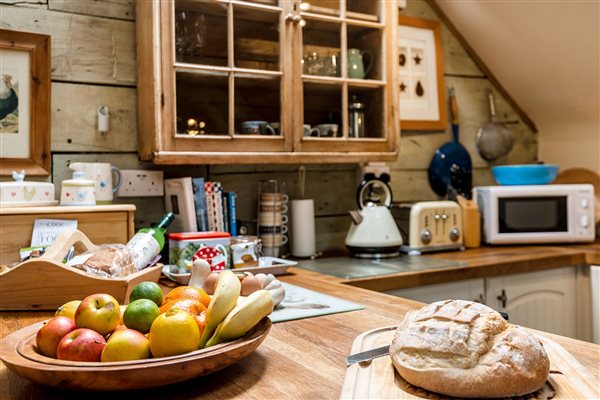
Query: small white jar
[(78, 191)]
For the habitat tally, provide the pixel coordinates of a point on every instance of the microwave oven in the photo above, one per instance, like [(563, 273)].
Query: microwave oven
[(536, 213)]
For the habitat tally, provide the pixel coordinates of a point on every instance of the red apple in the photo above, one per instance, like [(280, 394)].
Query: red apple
[(126, 344), (50, 334), (99, 312), (81, 345)]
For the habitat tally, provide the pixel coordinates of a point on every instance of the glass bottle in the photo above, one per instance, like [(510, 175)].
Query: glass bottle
[(147, 243)]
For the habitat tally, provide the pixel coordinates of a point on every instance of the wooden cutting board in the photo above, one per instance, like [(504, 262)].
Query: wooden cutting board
[(379, 380)]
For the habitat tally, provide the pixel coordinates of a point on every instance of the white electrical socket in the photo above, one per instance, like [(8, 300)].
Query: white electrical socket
[(141, 183)]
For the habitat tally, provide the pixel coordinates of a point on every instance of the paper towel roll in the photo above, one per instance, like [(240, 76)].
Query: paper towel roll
[(303, 228)]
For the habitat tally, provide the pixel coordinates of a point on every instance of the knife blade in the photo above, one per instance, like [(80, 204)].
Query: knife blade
[(368, 355)]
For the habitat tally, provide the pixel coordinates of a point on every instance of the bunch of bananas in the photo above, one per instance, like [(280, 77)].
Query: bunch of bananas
[(226, 317)]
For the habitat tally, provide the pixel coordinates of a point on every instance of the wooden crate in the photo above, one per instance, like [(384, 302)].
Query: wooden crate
[(101, 224), (45, 283)]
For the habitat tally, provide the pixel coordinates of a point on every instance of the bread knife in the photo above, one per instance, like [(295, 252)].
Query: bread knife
[(368, 355), (382, 351)]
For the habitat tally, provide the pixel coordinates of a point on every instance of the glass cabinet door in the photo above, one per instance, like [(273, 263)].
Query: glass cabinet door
[(227, 77), (344, 75)]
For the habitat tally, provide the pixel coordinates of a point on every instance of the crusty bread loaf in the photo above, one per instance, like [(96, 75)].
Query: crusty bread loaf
[(466, 349)]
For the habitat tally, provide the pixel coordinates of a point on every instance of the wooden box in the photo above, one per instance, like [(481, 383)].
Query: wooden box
[(101, 224), (45, 283)]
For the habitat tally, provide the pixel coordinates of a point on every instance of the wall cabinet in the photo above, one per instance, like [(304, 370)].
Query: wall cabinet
[(545, 300), (230, 81)]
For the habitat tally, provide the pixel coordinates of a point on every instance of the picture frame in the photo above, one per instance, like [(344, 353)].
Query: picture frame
[(421, 75), (24, 103)]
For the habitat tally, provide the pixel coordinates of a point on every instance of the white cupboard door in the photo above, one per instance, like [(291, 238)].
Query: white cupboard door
[(471, 289), (544, 300)]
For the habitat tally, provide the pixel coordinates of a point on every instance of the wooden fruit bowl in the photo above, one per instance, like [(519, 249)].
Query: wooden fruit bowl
[(45, 283), (19, 353)]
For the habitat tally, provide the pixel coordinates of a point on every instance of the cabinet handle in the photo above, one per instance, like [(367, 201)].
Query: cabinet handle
[(480, 299), (290, 17), (503, 298)]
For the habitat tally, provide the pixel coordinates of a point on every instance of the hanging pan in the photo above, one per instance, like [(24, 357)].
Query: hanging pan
[(450, 170)]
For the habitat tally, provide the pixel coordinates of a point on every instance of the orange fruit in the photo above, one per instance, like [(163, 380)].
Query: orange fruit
[(191, 306), (173, 332), (188, 292)]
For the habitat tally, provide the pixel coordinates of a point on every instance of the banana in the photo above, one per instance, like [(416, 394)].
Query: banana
[(227, 291), (243, 317)]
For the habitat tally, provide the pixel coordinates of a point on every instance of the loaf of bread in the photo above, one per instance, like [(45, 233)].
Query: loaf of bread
[(466, 349)]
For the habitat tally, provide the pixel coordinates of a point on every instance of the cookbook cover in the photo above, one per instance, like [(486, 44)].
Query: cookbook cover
[(200, 202), (179, 198)]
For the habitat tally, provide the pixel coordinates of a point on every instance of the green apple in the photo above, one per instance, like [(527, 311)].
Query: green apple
[(126, 344), (99, 312)]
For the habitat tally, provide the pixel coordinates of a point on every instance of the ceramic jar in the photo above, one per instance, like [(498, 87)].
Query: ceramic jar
[(78, 191), (356, 65), (21, 193)]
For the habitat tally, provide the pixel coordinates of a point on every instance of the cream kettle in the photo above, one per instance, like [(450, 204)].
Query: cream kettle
[(373, 232)]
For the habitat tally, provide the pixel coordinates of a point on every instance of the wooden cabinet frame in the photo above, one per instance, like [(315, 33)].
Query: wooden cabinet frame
[(159, 142)]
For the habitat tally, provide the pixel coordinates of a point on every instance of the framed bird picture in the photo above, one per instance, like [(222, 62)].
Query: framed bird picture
[(24, 102), (421, 75)]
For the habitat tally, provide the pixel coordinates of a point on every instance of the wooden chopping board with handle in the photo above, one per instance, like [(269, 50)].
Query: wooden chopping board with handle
[(379, 380)]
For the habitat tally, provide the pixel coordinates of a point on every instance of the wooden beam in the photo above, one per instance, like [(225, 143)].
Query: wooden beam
[(484, 68)]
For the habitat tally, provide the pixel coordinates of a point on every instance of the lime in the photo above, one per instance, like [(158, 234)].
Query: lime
[(140, 315), (147, 290)]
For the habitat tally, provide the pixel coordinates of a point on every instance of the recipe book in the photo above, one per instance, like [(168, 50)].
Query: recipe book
[(305, 303)]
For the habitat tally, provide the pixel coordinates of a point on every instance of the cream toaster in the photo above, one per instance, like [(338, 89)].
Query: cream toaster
[(428, 226)]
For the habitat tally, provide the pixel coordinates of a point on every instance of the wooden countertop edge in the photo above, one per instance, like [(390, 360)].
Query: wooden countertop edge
[(481, 263)]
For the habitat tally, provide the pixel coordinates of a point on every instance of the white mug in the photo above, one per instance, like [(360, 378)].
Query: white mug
[(102, 175)]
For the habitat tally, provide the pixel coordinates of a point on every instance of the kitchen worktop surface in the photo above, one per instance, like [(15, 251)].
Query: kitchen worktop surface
[(305, 359), (485, 261)]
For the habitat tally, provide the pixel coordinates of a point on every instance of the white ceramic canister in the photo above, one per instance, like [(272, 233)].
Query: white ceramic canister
[(22, 193), (78, 191)]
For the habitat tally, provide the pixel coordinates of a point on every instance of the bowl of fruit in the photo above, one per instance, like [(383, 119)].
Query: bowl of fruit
[(97, 344)]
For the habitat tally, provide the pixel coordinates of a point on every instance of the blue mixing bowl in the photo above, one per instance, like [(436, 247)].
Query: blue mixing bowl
[(528, 174)]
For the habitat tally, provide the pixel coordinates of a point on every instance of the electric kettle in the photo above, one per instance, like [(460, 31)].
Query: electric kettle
[(373, 233)]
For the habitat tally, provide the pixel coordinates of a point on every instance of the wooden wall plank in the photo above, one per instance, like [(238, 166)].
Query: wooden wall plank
[(27, 3), (84, 49), (120, 9), (74, 119), (413, 185)]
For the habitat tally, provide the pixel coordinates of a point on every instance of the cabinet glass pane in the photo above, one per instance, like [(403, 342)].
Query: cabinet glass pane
[(322, 110), (326, 7), (364, 10), (265, 2), (202, 103), (201, 32), (366, 112), (364, 46), (256, 38), (257, 106), (321, 48)]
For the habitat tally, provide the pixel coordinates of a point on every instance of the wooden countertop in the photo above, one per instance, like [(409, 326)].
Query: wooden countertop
[(486, 261), (301, 359)]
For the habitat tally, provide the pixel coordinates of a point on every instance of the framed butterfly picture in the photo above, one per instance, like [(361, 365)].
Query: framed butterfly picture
[(421, 75)]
